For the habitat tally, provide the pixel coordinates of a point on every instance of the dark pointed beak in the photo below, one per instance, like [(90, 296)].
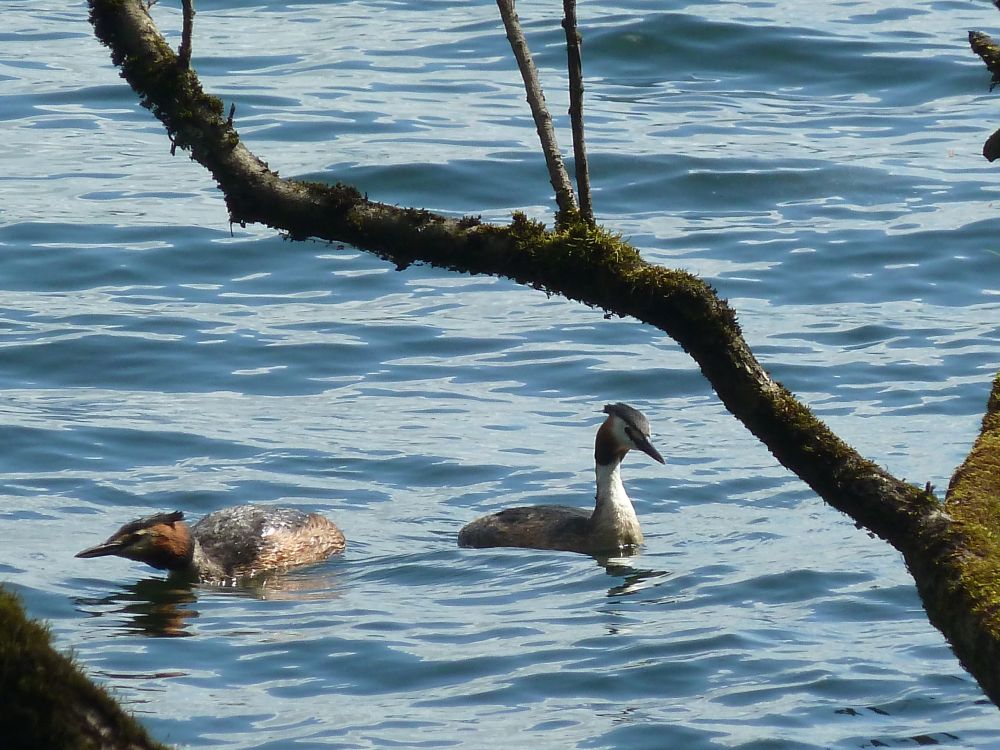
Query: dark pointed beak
[(643, 444), (110, 547)]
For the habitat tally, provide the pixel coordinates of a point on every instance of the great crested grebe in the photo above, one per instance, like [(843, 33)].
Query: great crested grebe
[(227, 544), (611, 526)]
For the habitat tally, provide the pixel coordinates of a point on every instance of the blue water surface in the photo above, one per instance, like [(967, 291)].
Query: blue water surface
[(818, 163)]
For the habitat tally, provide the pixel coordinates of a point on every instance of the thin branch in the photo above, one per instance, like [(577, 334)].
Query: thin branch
[(184, 51), (575, 65), (558, 175)]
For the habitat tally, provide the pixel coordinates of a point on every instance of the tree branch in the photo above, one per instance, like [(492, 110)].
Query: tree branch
[(575, 65), (984, 46), (588, 264), (973, 500), (184, 53), (558, 175)]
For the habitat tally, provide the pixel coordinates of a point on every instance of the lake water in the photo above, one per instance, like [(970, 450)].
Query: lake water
[(818, 163)]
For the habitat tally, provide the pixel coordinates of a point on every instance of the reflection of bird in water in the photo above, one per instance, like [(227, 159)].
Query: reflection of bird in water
[(168, 607), (151, 606), (611, 526), (634, 580), (227, 544)]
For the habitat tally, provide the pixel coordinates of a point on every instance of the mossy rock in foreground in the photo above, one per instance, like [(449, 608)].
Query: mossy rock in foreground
[(47, 702)]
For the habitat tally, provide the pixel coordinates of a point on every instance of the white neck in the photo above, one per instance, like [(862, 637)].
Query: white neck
[(614, 517), (203, 567)]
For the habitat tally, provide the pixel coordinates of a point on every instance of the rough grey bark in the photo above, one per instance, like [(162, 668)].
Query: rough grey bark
[(590, 265)]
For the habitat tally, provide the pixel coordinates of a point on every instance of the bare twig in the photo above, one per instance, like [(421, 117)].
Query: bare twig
[(575, 65), (558, 175), (184, 52)]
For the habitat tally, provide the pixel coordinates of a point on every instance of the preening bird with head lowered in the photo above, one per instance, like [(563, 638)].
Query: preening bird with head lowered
[(229, 543)]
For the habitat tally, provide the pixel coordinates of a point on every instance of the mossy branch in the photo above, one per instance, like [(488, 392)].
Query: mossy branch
[(47, 702), (973, 500), (984, 46), (588, 264)]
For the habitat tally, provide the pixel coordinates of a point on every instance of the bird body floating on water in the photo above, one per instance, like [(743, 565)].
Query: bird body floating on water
[(227, 544)]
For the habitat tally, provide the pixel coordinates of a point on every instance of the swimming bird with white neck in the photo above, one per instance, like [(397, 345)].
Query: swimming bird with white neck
[(613, 524)]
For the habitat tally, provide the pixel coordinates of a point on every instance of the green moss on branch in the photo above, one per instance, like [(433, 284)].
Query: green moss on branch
[(973, 500), (984, 46), (48, 702)]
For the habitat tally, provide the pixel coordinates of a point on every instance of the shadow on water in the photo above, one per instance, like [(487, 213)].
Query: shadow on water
[(167, 607)]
